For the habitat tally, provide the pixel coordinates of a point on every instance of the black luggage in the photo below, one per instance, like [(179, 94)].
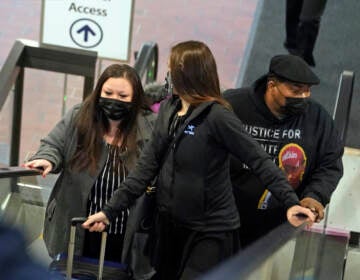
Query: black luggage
[(77, 267)]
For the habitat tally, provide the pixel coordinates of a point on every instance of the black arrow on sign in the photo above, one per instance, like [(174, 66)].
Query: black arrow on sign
[(86, 29)]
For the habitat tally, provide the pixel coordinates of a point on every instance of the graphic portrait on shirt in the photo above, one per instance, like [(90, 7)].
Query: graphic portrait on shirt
[(292, 161)]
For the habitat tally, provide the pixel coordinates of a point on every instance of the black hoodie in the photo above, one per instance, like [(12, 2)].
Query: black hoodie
[(308, 141)]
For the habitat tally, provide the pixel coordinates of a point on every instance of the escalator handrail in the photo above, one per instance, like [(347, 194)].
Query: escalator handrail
[(343, 102), (28, 53), (147, 50), (250, 259), (10, 70), (16, 171)]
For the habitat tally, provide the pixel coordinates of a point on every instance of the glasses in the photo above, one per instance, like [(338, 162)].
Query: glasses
[(296, 90)]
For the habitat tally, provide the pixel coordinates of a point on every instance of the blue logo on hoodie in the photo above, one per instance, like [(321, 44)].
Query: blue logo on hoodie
[(190, 129)]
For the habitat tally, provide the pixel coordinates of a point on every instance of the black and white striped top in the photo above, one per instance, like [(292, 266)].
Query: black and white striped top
[(108, 181)]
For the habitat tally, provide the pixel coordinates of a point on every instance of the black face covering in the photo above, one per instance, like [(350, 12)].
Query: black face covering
[(294, 106), (115, 109)]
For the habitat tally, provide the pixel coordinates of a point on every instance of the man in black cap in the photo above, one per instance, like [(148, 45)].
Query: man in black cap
[(296, 132)]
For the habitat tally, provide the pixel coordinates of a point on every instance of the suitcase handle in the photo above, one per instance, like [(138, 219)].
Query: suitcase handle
[(69, 267), (78, 220)]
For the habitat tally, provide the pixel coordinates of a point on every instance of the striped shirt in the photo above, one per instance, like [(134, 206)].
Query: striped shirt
[(108, 181)]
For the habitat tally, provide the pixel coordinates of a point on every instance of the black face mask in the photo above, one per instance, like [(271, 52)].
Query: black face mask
[(294, 106), (115, 109)]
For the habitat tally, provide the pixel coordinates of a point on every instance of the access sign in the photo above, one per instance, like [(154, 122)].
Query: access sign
[(103, 26)]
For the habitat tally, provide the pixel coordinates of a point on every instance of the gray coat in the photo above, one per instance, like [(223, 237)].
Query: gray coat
[(69, 196)]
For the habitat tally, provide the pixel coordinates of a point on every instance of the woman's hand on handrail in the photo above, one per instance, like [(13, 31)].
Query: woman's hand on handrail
[(297, 215), (42, 165)]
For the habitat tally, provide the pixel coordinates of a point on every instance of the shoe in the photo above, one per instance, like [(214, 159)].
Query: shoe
[(291, 48), (309, 59)]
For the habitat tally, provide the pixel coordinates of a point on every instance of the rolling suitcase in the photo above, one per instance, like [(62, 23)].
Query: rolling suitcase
[(77, 267)]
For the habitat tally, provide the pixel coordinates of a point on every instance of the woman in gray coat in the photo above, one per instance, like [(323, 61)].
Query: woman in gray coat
[(93, 147)]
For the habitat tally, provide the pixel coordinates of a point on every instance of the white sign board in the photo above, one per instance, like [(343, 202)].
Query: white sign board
[(103, 26)]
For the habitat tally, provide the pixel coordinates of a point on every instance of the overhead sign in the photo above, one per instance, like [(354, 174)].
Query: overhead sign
[(103, 26)]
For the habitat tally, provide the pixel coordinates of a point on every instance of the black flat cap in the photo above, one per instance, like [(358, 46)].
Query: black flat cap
[(292, 68)]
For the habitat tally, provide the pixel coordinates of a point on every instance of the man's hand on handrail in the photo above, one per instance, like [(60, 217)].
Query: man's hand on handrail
[(316, 207)]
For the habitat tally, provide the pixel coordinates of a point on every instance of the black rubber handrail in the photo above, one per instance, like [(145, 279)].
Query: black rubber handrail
[(10, 71), (29, 54), (16, 171), (146, 63), (343, 102), (250, 259), (26, 53)]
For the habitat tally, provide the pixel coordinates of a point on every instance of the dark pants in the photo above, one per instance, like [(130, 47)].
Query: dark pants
[(113, 250), (255, 223), (182, 253), (302, 27), (258, 223)]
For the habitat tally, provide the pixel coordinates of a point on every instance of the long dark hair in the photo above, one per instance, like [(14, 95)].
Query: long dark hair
[(194, 73), (92, 124)]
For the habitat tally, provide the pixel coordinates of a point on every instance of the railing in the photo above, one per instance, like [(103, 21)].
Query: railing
[(28, 54), (15, 171), (288, 253), (146, 63), (343, 102), (341, 117), (250, 260), (22, 201)]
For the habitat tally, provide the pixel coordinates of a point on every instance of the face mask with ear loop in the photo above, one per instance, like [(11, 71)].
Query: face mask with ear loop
[(294, 106), (115, 109)]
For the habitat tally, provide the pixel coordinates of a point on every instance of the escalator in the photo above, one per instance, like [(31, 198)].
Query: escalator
[(286, 253)]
